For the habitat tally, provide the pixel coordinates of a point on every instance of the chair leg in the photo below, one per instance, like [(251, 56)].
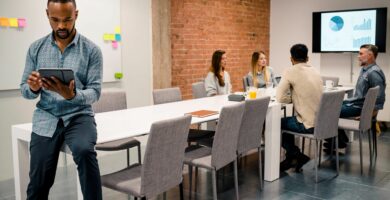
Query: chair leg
[(361, 154), (139, 154), (214, 174), (320, 152), (370, 145), (190, 177), (337, 155), (316, 159), (128, 157), (181, 191), (236, 178), (196, 179), (303, 145), (260, 170)]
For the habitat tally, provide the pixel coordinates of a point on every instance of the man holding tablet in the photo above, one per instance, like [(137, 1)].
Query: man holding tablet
[(63, 113)]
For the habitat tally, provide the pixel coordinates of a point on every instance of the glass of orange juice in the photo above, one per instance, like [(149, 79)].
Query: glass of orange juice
[(252, 93)]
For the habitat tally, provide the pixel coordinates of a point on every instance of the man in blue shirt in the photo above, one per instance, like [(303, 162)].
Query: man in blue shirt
[(63, 113), (370, 76)]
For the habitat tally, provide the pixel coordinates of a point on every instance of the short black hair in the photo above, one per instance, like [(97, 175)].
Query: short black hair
[(62, 1), (299, 52), (372, 48)]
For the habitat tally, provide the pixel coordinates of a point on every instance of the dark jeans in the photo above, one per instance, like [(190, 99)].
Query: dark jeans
[(80, 135), (288, 140), (347, 112)]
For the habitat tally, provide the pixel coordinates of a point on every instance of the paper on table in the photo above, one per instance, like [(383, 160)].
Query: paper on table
[(203, 113)]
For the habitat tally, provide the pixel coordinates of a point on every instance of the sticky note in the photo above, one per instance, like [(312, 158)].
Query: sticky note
[(118, 75), (22, 22), (118, 30), (4, 21), (118, 37), (13, 22), (109, 37), (114, 44)]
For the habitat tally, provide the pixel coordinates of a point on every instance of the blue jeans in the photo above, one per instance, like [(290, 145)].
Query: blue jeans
[(80, 135), (288, 140)]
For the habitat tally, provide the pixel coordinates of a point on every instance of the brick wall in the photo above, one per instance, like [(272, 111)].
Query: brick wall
[(199, 27)]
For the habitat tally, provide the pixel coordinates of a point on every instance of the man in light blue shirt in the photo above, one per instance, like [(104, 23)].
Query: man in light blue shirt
[(63, 113), (370, 76)]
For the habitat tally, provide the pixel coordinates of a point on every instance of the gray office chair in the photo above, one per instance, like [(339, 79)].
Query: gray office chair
[(224, 148), (110, 100), (326, 124), (252, 128), (198, 90), (163, 162), (166, 95), (246, 83), (332, 78), (363, 125)]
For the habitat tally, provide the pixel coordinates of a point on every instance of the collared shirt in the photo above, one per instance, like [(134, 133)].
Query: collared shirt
[(370, 76), (212, 85), (85, 59), (261, 80)]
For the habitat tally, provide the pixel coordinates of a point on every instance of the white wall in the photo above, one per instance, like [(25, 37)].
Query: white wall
[(137, 79), (291, 22)]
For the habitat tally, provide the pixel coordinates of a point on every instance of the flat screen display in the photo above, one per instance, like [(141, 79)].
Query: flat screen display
[(346, 31)]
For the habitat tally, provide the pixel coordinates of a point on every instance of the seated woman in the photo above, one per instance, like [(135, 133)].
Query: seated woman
[(218, 80), (264, 75)]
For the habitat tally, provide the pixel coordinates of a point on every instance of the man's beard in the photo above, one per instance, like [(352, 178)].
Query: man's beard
[(64, 33)]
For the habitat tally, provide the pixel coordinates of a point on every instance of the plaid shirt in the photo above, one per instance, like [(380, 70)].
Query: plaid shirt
[(85, 59)]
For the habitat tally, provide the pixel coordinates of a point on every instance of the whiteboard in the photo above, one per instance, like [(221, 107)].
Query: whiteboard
[(95, 19)]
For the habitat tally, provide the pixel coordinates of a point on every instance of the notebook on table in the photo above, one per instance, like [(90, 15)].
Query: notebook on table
[(203, 113)]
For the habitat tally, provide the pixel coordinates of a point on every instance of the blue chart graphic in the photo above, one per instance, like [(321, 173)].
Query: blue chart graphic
[(336, 23), (359, 41), (366, 25)]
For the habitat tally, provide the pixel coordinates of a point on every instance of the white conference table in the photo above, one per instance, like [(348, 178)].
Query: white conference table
[(137, 121)]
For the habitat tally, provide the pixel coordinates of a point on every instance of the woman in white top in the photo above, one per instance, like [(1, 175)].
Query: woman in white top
[(218, 80), (264, 74)]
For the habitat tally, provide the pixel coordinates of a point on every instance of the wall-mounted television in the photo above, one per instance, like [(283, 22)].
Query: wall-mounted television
[(347, 30)]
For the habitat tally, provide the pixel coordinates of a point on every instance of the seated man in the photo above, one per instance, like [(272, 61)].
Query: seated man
[(370, 76), (301, 84)]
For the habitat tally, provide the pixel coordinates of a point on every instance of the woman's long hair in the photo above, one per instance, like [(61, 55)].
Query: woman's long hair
[(216, 66), (255, 60)]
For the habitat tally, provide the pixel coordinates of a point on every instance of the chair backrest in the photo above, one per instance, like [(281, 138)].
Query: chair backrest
[(278, 78), (252, 124), (166, 95), (332, 78), (368, 108), (198, 90), (110, 100), (328, 113), (246, 83), (164, 155), (226, 135)]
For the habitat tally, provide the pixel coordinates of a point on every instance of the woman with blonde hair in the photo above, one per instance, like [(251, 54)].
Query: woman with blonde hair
[(264, 74), (218, 80)]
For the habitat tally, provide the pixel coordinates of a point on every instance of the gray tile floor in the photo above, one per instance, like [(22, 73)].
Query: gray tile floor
[(350, 184)]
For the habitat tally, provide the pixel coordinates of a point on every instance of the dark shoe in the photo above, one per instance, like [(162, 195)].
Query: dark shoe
[(333, 152), (287, 164), (302, 159), (342, 145)]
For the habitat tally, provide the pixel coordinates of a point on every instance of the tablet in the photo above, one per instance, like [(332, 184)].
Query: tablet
[(64, 75)]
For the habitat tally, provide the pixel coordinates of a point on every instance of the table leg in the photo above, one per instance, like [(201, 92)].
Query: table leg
[(272, 143)]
